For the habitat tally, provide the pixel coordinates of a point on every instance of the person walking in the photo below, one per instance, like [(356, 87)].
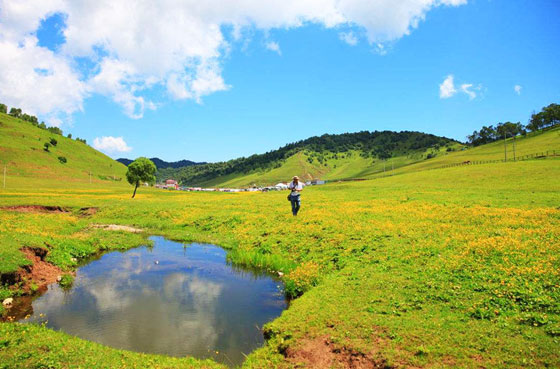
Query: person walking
[(295, 187)]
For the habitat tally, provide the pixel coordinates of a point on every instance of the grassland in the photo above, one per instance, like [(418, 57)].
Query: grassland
[(23, 156), (450, 267)]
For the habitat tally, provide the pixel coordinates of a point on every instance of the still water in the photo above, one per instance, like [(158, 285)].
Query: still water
[(167, 299)]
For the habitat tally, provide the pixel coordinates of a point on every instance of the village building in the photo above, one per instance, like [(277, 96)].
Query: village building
[(171, 184)]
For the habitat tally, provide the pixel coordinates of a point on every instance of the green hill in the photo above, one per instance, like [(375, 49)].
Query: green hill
[(356, 163), (348, 155), (23, 155), (534, 143)]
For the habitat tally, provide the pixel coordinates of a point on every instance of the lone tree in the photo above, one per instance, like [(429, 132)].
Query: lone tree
[(141, 170)]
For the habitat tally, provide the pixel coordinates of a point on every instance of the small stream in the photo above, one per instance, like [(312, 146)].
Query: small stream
[(167, 299)]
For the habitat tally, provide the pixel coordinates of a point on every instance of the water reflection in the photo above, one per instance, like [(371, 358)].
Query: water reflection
[(166, 299)]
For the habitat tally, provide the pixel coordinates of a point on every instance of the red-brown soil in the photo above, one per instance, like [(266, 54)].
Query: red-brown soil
[(36, 209), (41, 272), (321, 353)]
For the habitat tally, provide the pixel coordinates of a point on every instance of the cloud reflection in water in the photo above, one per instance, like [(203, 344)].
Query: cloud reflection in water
[(190, 303)]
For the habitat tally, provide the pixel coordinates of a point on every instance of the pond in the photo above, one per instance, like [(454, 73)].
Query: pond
[(170, 299)]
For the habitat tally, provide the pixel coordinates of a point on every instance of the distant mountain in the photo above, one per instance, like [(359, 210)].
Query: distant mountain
[(162, 164), (330, 156)]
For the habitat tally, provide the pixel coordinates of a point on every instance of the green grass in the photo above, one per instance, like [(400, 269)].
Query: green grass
[(454, 265), (33, 346), (533, 143), (22, 153), (449, 267)]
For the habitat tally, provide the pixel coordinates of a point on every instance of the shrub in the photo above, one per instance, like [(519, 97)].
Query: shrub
[(53, 141), (62, 159), (15, 112), (46, 146), (66, 281), (55, 130), (301, 279)]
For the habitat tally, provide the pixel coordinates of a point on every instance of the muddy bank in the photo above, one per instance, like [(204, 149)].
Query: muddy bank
[(83, 212), (36, 209), (40, 272), (31, 279), (320, 352)]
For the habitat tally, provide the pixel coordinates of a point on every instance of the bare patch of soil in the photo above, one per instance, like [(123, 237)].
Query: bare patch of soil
[(117, 227), (87, 212), (321, 353), (36, 209), (41, 272)]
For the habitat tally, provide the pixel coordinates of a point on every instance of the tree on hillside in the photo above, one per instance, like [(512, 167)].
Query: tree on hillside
[(486, 135), (3, 108), (509, 129), (141, 170), (30, 118), (547, 117), (15, 112), (55, 130)]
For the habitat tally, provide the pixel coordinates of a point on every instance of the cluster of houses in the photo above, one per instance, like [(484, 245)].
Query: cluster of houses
[(172, 184)]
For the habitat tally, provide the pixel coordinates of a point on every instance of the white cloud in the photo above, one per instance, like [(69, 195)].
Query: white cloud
[(273, 46), (111, 145), (517, 89), (447, 88), (468, 89), (348, 37), (132, 46), (38, 81)]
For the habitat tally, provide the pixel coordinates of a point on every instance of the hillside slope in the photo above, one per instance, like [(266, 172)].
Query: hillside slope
[(347, 155), (22, 154), (354, 165), (539, 142)]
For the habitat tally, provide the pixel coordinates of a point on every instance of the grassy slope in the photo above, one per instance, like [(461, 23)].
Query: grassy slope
[(21, 151), (336, 166), (532, 144)]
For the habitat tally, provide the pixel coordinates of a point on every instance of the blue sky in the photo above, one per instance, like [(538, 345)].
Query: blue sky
[(272, 84)]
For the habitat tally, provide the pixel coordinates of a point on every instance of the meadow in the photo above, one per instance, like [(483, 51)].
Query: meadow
[(449, 267)]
